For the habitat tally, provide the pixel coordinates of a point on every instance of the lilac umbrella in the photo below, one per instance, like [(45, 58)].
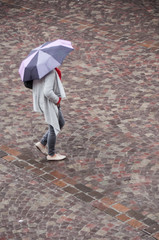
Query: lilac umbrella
[(44, 59)]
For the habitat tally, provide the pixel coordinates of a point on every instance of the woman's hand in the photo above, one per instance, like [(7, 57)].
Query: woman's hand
[(58, 103)]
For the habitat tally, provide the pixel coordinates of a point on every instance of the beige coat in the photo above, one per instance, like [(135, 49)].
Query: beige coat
[(46, 93)]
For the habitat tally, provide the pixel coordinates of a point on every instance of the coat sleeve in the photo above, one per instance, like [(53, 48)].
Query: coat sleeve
[(48, 87)]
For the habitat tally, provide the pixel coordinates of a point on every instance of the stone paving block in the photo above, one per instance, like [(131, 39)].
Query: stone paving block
[(107, 201), (111, 212), (39, 165), (149, 221), (24, 157), (20, 164), (134, 223), (13, 152), (99, 205), (135, 215), (70, 190), (47, 169), (70, 180), (4, 147), (96, 194), (59, 183), (32, 162), (156, 236), (9, 158), (84, 197), (57, 174), (48, 177), (10, 151), (121, 208), (2, 154), (28, 167), (83, 188), (154, 228), (37, 171), (122, 217)]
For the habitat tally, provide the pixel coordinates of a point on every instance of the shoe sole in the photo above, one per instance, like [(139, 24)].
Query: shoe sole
[(40, 150), (56, 159)]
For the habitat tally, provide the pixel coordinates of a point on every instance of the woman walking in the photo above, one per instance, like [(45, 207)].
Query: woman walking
[(47, 95), (38, 71)]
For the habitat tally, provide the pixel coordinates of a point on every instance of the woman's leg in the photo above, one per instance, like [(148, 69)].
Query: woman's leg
[(51, 141), (44, 139), (42, 144)]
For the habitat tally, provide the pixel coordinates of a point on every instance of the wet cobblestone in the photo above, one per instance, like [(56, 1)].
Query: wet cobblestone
[(108, 186)]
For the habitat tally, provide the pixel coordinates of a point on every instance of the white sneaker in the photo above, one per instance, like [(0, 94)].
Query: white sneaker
[(56, 157), (41, 148)]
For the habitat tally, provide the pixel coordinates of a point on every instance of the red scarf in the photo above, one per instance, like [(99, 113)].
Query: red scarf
[(59, 72)]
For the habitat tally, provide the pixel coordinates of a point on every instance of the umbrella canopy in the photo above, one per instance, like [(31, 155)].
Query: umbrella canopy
[(44, 59)]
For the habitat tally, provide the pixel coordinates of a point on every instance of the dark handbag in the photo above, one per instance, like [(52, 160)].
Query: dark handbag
[(28, 84)]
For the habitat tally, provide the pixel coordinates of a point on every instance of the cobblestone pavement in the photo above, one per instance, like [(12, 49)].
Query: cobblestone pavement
[(108, 186)]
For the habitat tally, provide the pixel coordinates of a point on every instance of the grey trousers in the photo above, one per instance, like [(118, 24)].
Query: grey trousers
[(50, 136)]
